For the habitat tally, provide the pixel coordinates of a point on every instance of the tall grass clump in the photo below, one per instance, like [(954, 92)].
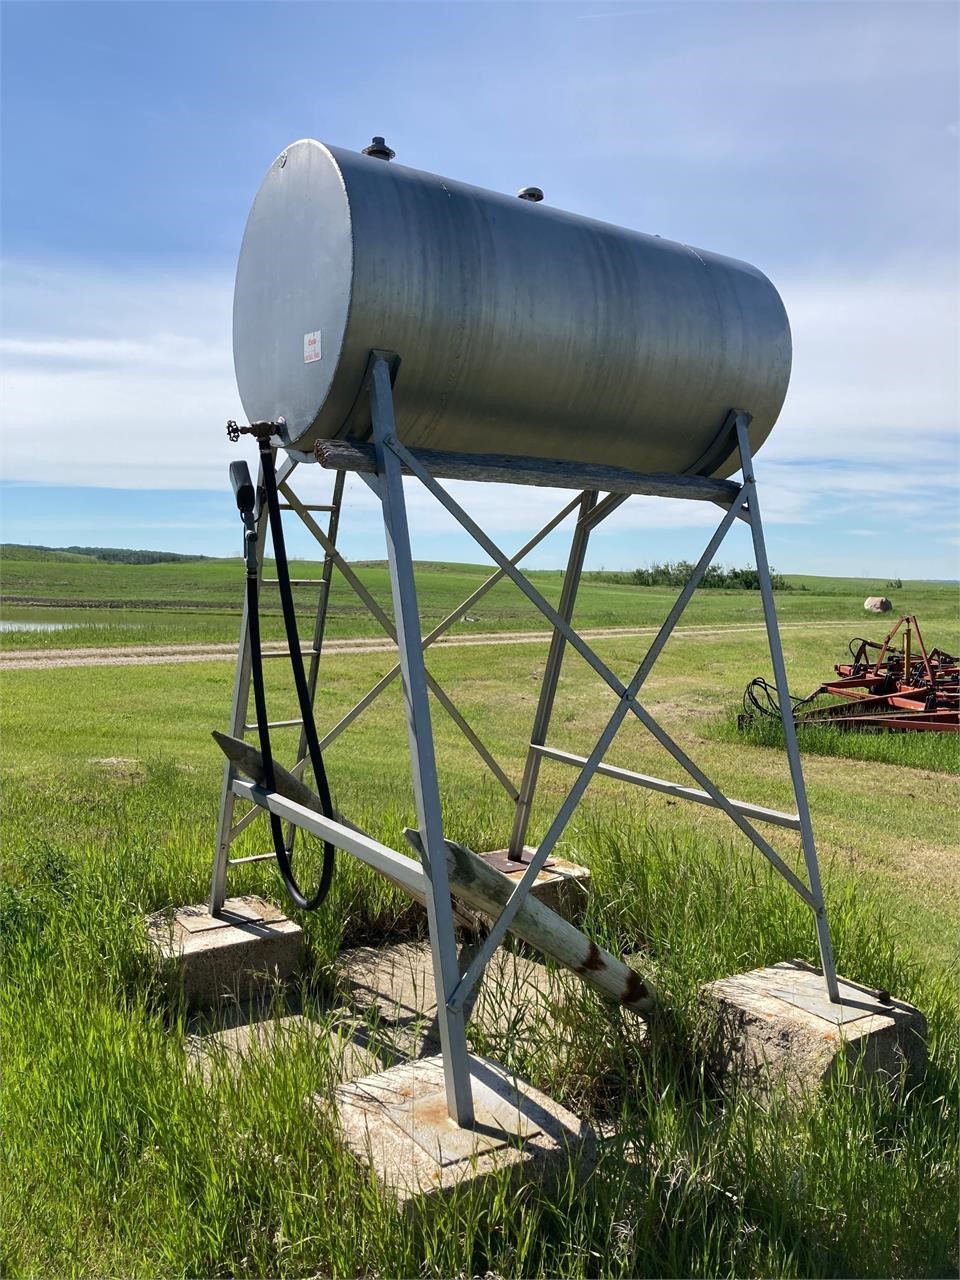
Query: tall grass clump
[(124, 1157), (939, 752)]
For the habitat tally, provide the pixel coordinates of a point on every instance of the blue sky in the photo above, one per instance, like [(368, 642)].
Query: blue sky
[(818, 141)]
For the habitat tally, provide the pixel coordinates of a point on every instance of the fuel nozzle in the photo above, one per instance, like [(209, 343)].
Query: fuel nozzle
[(246, 495), (243, 488)]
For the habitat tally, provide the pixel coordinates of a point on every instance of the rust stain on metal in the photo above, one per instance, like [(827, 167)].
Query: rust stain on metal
[(593, 962), (432, 1111), (635, 990)]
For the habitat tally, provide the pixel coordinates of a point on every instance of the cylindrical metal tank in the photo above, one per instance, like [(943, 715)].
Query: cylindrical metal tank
[(521, 329)]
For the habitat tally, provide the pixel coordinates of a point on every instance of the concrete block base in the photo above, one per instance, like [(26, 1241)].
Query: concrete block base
[(777, 1025), (562, 886), (234, 955), (516, 997), (396, 1122), (338, 1052)]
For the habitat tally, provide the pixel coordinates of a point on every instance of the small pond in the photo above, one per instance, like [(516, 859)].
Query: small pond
[(91, 620), (7, 625)]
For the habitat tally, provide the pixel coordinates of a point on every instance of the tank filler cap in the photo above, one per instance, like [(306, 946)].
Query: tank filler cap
[(379, 150), (533, 194)]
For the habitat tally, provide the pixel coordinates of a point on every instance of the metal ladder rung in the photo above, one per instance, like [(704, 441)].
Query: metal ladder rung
[(294, 582), (273, 724), (285, 653), (307, 506), (254, 857)]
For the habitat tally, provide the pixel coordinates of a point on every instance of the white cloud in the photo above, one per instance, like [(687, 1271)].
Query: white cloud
[(119, 380), (874, 366), (160, 351), (870, 426)]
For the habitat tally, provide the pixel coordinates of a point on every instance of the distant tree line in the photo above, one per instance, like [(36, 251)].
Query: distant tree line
[(123, 555), (675, 574)]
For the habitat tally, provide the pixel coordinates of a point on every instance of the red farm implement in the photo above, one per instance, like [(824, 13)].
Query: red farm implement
[(884, 688)]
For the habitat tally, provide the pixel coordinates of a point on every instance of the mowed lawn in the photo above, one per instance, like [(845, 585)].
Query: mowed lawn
[(123, 1159)]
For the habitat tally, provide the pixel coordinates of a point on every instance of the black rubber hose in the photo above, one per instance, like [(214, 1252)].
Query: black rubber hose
[(762, 697), (303, 698)]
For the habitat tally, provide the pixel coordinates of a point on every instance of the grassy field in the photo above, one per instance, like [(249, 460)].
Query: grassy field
[(106, 604), (123, 1160)]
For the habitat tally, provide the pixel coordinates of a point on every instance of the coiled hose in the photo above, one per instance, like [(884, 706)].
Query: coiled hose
[(282, 852)]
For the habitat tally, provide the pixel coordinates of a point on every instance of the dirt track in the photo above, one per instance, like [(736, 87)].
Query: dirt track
[(158, 654)]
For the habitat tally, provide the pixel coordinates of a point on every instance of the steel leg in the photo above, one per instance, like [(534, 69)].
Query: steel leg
[(443, 947), (786, 713), (551, 677)]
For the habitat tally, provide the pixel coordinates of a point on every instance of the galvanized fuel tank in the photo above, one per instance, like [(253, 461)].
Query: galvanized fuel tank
[(521, 329)]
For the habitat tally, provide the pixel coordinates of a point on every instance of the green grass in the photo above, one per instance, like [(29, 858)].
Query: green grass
[(201, 602), (122, 1159), (918, 750)]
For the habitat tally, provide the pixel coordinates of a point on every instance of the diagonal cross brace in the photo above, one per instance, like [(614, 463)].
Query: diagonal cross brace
[(557, 827), (445, 624), (738, 508), (380, 615)]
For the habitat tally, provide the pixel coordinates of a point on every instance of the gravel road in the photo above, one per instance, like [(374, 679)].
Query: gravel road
[(158, 654)]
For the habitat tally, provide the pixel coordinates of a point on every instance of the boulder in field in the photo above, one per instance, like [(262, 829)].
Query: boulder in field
[(877, 604)]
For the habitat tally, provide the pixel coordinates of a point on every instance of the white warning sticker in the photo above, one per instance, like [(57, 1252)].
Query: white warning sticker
[(311, 346)]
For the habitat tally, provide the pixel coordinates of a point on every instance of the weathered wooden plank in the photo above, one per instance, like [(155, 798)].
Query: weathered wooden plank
[(472, 881), (349, 455)]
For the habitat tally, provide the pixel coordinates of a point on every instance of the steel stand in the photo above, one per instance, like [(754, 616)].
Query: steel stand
[(738, 506), (382, 466)]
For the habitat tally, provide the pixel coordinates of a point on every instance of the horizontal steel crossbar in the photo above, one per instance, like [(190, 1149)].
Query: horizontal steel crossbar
[(273, 724), (349, 455), (758, 812), (404, 871), (285, 653)]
